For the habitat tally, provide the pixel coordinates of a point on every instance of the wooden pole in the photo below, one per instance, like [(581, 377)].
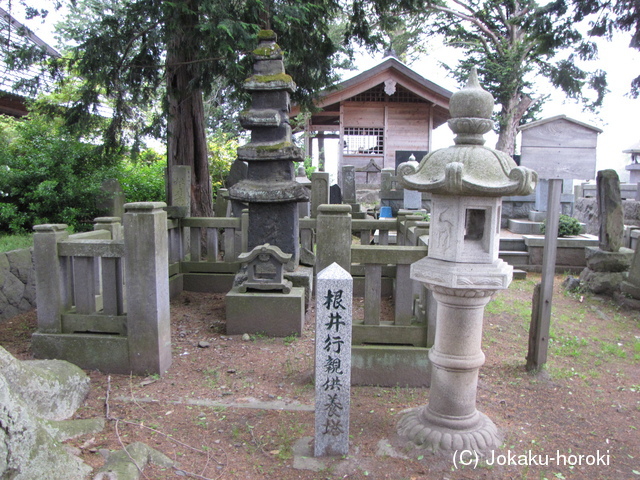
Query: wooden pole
[(541, 317)]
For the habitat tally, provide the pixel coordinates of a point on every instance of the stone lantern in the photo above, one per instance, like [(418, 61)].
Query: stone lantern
[(466, 182)]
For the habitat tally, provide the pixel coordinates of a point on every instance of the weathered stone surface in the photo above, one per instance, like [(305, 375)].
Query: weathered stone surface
[(270, 188), (602, 261), (349, 184), (605, 283), (333, 236), (17, 283), (128, 464), (270, 313), (31, 394), (55, 388), (334, 302), (610, 210)]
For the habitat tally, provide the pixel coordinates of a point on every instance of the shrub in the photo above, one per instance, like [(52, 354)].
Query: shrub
[(222, 153), (48, 175), (567, 226), (144, 181)]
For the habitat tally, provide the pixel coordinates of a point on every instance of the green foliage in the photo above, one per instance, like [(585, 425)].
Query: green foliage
[(48, 175), (513, 45), (567, 226), (308, 167), (15, 242), (222, 153), (144, 181)]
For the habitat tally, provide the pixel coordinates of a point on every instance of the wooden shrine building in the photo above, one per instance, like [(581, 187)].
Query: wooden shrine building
[(380, 116)]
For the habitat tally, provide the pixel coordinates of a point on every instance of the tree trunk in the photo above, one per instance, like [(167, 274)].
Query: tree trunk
[(186, 137), (511, 115)]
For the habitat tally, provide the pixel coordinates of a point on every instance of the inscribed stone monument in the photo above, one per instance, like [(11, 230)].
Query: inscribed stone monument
[(334, 300)]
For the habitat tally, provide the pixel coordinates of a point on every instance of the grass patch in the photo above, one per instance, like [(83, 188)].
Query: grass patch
[(15, 242)]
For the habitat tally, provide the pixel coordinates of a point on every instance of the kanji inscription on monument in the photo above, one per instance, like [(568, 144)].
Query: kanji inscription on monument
[(333, 360)]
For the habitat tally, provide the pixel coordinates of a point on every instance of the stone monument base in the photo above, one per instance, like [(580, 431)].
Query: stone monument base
[(605, 271), (482, 435), (390, 366), (274, 314)]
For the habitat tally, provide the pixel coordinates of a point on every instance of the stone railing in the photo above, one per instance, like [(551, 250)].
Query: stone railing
[(103, 296)]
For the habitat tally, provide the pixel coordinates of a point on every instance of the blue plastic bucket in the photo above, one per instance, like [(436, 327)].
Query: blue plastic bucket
[(385, 212)]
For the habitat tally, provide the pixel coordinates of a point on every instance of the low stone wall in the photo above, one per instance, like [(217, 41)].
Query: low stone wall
[(17, 283), (586, 211)]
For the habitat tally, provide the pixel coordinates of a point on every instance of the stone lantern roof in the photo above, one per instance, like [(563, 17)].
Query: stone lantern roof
[(468, 167)]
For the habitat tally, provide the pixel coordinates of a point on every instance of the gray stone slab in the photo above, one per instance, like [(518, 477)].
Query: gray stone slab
[(412, 199), (334, 300), (271, 313)]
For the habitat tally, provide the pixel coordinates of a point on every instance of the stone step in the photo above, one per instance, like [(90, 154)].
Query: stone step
[(512, 244), (519, 274), (514, 259), (524, 227)]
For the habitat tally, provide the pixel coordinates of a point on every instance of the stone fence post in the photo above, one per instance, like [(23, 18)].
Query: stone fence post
[(333, 236), (52, 293), (319, 191), (147, 287)]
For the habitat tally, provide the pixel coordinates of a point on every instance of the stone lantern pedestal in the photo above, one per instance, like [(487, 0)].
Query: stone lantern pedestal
[(462, 270)]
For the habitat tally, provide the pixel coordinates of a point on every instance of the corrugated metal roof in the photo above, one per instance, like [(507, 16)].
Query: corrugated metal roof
[(15, 35)]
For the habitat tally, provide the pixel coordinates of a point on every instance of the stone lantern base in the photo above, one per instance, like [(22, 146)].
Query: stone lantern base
[(450, 421)]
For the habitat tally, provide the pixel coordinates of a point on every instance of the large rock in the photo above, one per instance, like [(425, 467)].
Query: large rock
[(35, 397), (55, 389), (601, 261), (605, 283)]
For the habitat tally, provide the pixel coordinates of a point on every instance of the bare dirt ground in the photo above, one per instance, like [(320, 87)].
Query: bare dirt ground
[(234, 409)]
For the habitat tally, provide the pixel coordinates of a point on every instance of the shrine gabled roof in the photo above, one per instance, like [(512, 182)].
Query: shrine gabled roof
[(389, 68), (544, 121)]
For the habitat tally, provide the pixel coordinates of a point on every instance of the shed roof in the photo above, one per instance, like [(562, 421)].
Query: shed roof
[(544, 121), (14, 35)]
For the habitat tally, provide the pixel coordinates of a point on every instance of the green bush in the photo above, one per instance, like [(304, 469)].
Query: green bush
[(144, 181), (48, 175), (222, 153), (567, 226)]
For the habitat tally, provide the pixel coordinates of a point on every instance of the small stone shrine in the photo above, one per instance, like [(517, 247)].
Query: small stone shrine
[(270, 188), (462, 269), (264, 269), (265, 302), (608, 263)]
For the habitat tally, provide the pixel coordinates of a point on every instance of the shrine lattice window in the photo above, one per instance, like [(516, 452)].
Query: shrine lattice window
[(363, 141)]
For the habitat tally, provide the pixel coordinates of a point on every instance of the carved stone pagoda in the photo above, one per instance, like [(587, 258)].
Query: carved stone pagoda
[(270, 188)]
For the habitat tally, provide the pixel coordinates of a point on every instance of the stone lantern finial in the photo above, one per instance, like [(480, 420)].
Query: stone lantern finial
[(468, 167)]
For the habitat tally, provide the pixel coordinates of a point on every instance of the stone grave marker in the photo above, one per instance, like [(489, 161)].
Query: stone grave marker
[(333, 360), (335, 194)]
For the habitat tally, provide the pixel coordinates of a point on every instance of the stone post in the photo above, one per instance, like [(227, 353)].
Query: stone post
[(349, 184), (112, 224), (319, 191), (53, 292), (610, 212), (333, 236), (334, 302), (147, 287)]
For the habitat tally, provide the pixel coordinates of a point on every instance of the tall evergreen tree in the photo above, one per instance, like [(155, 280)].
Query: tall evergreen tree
[(133, 51)]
